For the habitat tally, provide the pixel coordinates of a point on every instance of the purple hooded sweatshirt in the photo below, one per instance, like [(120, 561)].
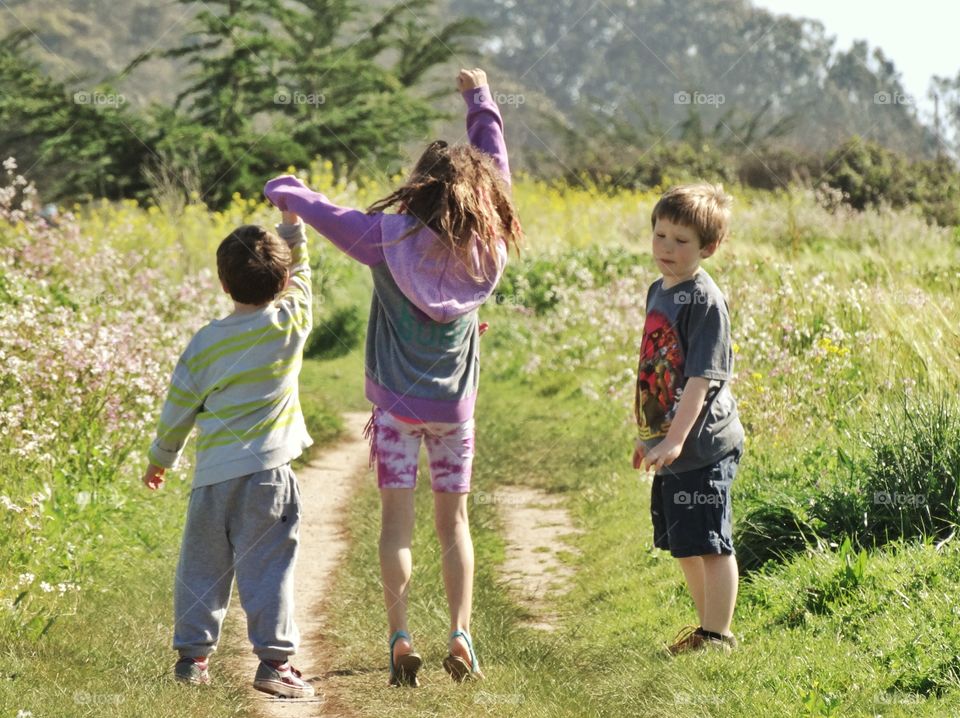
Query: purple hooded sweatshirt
[(423, 342)]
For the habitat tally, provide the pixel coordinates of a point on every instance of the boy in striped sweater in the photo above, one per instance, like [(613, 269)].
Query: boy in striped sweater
[(237, 381)]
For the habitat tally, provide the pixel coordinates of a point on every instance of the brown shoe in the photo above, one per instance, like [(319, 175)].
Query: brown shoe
[(687, 639), (694, 638)]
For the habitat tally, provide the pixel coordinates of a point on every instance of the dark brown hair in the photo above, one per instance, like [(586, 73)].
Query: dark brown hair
[(703, 207), (460, 194), (253, 264)]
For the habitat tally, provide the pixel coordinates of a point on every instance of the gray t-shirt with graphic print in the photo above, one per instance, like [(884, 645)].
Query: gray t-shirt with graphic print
[(687, 334)]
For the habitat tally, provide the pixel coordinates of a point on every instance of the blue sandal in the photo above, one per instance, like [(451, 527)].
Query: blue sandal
[(404, 671), (458, 668)]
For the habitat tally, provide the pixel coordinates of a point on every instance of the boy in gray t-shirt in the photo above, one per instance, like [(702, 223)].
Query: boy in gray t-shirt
[(688, 427)]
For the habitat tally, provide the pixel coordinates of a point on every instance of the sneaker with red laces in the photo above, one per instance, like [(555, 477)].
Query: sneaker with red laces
[(192, 670), (279, 678)]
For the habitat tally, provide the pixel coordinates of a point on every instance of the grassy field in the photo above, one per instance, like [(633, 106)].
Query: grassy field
[(848, 365), (819, 637)]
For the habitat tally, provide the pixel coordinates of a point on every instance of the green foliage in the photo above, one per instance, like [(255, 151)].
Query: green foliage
[(271, 85), (901, 484), (909, 484), (842, 585), (337, 334), (772, 528), (84, 144), (869, 175), (317, 95), (540, 282)]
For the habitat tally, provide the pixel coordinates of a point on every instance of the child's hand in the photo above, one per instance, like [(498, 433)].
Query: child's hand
[(272, 190), (471, 79), (153, 477), (663, 454), (483, 326), (639, 450), (289, 217)]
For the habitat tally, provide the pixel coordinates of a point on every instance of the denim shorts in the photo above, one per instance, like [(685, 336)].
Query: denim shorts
[(691, 510)]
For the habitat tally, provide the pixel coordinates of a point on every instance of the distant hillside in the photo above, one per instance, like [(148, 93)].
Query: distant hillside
[(82, 42), (576, 72), (721, 68)]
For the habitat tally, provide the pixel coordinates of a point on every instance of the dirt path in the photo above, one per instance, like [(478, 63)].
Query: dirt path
[(326, 484), (535, 525)]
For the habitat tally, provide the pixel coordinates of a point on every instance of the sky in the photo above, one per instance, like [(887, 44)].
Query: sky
[(919, 36)]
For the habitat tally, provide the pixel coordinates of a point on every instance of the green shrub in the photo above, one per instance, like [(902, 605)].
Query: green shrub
[(539, 284), (868, 174), (337, 334), (772, 530), (909, 485)]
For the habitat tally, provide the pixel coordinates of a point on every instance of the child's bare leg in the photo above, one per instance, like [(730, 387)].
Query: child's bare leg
[(693, 571), (720, 591), (453, 531), (396, 560)]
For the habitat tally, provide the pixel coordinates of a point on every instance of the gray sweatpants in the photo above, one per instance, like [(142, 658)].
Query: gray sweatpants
[(247, 527)]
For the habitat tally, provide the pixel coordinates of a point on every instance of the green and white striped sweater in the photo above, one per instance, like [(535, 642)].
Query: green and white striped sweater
[(237, 381)]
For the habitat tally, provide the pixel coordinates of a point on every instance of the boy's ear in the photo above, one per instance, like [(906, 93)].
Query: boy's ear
[(708, 250)]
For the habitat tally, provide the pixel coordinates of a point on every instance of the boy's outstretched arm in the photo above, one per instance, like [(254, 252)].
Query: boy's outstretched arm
[(484, 122), (352, 231), (177, 417), (297, 297)]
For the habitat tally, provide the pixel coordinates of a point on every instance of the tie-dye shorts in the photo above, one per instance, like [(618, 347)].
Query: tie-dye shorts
[(395, 448)]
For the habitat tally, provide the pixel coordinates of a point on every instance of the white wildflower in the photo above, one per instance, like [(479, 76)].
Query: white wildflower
[(9, 505)]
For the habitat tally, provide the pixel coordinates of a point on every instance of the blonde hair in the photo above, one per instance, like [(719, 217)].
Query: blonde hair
[(703, 207), (459, 193)]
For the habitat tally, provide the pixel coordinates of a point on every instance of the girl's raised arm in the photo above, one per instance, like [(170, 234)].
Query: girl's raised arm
[(484, 122), (352, 231)]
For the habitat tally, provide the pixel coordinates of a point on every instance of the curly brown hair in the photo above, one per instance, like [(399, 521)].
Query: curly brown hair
[(459, 192), (253, 264)]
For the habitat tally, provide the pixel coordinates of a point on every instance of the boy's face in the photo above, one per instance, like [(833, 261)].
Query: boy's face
[(677, 250)]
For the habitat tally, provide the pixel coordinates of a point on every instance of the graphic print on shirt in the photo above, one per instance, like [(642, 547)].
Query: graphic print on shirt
[(659, 376)]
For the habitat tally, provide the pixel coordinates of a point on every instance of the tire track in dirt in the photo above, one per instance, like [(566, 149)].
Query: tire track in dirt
[(536, 529)]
